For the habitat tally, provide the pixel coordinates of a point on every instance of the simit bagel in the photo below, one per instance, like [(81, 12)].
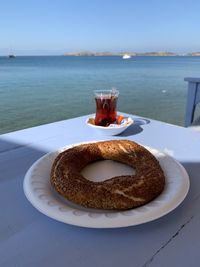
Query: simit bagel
[(121, 192)]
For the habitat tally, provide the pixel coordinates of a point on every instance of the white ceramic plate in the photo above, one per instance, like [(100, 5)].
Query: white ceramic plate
[(39, 192)]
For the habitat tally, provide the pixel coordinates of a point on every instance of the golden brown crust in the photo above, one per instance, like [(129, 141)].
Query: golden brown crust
[(122, 192)]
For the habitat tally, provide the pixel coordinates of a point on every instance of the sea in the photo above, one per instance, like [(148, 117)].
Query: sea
[(36, 90)]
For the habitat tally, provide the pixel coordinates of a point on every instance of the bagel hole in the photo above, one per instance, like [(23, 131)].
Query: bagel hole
[(105, 169)]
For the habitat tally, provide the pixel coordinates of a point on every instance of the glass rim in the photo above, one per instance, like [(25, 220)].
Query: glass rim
[(106, 92)]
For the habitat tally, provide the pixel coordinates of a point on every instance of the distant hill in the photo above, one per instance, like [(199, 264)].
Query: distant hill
[(158, 54), (89, 53), (152, 54), (96, 54), (194, 54)]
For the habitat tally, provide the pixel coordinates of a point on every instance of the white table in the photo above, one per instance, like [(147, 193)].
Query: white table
[(29, 238)]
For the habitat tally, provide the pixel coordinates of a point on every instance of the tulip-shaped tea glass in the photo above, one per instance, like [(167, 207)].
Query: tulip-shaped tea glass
[(106, 106)]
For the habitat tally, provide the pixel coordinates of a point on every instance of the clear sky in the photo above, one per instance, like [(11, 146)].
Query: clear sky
[(58, 26)]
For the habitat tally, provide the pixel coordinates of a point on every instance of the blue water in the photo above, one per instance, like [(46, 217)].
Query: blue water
[(38, 90)]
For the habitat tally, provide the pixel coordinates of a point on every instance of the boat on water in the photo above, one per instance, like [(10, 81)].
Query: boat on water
[(11, 56), (126, 56)]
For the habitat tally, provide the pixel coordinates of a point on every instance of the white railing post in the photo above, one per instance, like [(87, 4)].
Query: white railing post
[(193, 96)]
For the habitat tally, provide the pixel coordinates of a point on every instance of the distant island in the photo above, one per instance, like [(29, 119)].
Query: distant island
[(194, 54), (135, 54)]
